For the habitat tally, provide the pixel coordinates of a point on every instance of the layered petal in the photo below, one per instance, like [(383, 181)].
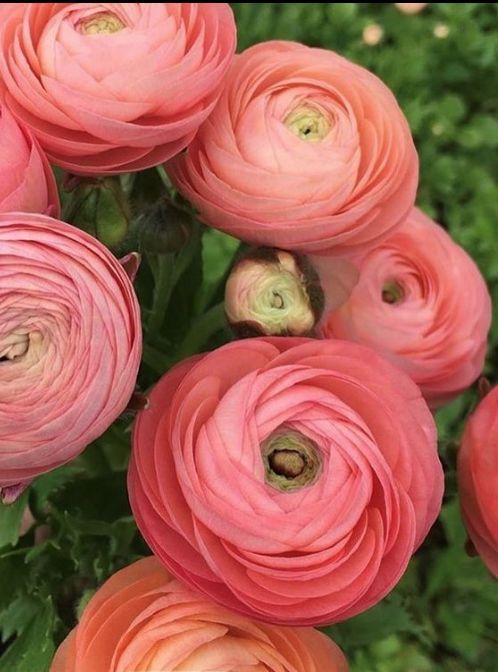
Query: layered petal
[(70, 343), (26, 180), (421, 301), (478, 479), (142, 620), (288, 479), (114, 87), (304, 151)]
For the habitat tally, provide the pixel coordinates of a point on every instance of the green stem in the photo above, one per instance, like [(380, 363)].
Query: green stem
[(162, 292), (155, 359), (201, 330)]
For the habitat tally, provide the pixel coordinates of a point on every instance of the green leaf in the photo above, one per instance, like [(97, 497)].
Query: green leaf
[(34, 649), (10, 520), (385, 619)]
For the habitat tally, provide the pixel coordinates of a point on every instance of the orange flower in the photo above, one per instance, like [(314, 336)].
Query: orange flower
[(142, 620)]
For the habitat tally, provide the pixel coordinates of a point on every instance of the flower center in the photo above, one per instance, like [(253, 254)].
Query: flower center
[(103, 22), (277, 300), (14, 346), (392, 292), (292, 461), (309, 123)]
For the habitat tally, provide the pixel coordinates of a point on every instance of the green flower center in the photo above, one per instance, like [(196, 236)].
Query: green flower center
[(309, 123), (292, 461), (103, 22), (392, 292)]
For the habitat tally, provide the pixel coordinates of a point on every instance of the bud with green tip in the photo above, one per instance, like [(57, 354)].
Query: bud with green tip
[(273, 292)]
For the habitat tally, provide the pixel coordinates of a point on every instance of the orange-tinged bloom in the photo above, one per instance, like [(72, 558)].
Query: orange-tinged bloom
[(143, 620)]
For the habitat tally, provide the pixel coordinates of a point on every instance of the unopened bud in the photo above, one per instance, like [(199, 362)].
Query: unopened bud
[(163, 228), (100, 208), (273, 292)]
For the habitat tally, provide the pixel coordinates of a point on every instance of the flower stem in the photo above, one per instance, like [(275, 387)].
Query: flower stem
[(210, 323)]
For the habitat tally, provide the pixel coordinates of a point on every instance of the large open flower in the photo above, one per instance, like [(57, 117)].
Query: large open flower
[(114, 87), (289, 479), (304, 151), (422, 302), (70, 343), (478, 479), (26, 179), (142, 620)]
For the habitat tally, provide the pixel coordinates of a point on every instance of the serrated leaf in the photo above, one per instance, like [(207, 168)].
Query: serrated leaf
[(10, 520), (385, 619), (17, 615), (34, 649)]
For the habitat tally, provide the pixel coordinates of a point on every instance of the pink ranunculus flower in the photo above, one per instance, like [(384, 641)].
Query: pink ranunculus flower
[(70, 344), (111, 88), (26, 179), (289, 479), (410, 7), (304, 151), (421, 301), (478, 479), (143, 620)]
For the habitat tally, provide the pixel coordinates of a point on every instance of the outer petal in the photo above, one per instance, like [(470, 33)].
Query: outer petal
[(478, 479), (26, 180)]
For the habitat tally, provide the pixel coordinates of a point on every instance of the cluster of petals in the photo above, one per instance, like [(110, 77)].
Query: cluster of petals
[(304, 151), (114, 87), (478, 479), (143, 620), (26, 180), (316, 554), (70, 343), (421, 301)]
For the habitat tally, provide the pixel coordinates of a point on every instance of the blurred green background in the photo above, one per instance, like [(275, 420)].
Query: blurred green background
[(443, 616)]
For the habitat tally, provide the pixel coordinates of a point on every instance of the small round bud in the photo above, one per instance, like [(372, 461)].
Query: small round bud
[(273, 292)]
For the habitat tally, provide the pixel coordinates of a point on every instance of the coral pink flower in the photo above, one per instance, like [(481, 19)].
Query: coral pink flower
[(422, 302), (410, 7), (478, 479), (26, 179), (70, 344), (289, 479), (142, 620), (304, 151), (110, 88)]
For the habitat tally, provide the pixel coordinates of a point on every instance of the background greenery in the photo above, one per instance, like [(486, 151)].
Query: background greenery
[(444, 613)]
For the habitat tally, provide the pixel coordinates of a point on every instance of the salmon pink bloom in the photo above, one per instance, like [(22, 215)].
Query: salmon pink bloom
[(421, 301), (288, 479), (110, 88), (70, 345), (143, 620), (478, 479), (304, 151), (26, 180), (410, 7)]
